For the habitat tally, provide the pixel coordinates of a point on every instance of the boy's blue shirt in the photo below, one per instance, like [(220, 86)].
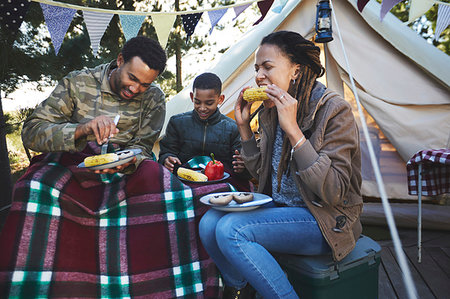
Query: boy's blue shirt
[(187, 136)]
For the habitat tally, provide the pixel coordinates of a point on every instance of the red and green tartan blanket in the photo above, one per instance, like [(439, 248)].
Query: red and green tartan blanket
[(72, 233)]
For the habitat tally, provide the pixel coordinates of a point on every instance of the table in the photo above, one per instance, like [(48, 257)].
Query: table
[(429, 175)]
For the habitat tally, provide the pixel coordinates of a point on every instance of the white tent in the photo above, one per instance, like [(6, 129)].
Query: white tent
[(402, 81)]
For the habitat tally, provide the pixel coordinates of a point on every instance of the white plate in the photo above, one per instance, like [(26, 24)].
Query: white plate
[(125, 156), (226, 175), (258, 200)]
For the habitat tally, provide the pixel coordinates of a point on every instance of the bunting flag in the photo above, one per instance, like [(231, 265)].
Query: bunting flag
[(264, 7), (12, 14), (131, 25), (362, 4), (386, 6), (215, 16), (162, 25), (58, 20), (418, 8), (443, 20), (239, 9), (96, 24), (190, 21), (279, 7)]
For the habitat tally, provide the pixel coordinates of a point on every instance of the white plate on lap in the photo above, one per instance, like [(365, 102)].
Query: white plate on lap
[(125, 156), (258, 200)]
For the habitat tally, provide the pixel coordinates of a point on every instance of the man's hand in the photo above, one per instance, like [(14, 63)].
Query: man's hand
[(170, 162), (238, 163), (117, 168), (102, 127)]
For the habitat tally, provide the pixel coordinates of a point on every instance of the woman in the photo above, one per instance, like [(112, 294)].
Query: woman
[(308, 160)]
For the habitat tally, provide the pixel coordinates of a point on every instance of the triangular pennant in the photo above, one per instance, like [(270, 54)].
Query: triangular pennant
[(58, 20), (163, 24), (12, 14), (96, 24), (215, 16), (443, 19), (418, 8), (131, 25), (239, 9), (362, 4), (264, 7), (386, 6), (280, 6), (190, 21)]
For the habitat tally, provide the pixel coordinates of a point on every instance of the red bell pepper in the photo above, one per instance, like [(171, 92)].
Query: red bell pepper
[(214, 169)]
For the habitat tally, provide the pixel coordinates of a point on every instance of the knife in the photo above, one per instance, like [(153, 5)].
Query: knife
[(105, 145)]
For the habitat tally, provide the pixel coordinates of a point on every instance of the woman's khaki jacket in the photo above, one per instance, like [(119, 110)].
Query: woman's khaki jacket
[(326, 168)]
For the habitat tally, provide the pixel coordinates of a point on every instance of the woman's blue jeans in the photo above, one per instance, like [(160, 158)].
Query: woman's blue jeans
[(240, 244)]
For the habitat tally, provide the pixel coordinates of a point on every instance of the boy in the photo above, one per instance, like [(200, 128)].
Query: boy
[(203, 130)]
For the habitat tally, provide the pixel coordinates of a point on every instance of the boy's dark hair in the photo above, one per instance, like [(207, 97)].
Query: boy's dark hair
[(149, 50), (208, 81)]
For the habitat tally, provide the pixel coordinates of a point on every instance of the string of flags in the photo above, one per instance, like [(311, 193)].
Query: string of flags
[(417, 8), (59, 15)]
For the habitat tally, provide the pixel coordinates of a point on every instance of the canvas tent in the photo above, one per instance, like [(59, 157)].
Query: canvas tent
[(402, 81)]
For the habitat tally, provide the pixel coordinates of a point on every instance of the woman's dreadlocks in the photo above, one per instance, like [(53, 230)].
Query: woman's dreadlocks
[(303, 52)]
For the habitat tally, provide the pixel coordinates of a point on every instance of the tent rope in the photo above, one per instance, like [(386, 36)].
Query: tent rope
[(409, 284)]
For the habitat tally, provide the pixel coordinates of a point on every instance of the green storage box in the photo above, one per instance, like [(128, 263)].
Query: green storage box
[(319, 277)]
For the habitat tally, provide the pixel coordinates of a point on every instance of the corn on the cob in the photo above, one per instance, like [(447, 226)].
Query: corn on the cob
[(255, 94), (100, 159), (191, 175)]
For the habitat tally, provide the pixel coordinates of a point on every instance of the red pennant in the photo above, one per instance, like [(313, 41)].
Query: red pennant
[(362, 4), (264, 7)]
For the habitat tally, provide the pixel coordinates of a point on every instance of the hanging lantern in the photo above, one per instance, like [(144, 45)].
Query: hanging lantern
[(323, 22)]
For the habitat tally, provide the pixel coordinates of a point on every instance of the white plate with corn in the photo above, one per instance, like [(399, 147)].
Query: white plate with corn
[(196, 176), (110, 160)]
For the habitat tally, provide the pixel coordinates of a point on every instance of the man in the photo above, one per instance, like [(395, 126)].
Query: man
[(125, 232), (83, 105)]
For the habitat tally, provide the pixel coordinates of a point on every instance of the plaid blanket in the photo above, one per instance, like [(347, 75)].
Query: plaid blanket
[(435, 172), (73, 233)]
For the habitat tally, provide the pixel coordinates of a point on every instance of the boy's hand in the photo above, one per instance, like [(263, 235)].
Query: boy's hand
[(170, 162), (238, 163)]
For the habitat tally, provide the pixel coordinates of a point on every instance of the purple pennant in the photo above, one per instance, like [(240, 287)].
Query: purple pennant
[(386, 6), (58, 20), (443, 20), (215, 16), (362, 4), (264, 7), (239, 9), (190, 21), (12, 14)]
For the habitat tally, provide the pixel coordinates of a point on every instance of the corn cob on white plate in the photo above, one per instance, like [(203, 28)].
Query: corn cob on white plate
[(125, 156), (226, 175), (259, 199)]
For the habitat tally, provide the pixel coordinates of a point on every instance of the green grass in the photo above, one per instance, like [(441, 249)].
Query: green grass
[(18, 159)]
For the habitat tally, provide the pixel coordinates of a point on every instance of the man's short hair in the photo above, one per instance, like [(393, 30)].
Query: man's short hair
[(149, 50), (208, 81)]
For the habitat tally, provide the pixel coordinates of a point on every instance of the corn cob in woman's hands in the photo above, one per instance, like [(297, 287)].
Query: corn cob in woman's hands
[(255, 94)]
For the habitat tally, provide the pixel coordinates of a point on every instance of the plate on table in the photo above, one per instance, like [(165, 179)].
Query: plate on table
[(125, 156), (259, 199), (226, 175)]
